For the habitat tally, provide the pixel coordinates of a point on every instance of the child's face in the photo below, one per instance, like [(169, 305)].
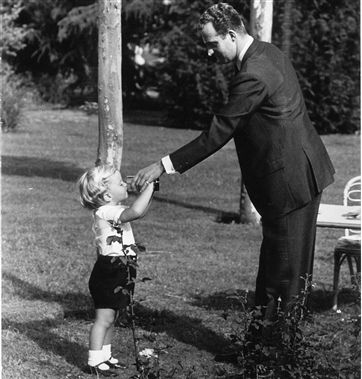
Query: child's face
[(117, 188)]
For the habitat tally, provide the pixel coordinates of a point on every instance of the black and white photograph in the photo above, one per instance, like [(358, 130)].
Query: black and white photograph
[(180, 189)]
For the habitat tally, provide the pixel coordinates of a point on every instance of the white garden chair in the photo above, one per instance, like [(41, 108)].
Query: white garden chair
[(348, 247)]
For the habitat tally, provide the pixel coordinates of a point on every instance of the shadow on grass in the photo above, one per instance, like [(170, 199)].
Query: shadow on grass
[(46, 168), (221, 216), (183, 328), (75, 305), (322, 300), (78, 306), (237, 300), (40, 332), (145, 117)]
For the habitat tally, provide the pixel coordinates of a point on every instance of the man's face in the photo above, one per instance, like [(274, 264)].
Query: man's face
[(222, 47)]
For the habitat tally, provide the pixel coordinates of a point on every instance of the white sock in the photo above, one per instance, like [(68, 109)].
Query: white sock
[(107, 354), (95, 357)]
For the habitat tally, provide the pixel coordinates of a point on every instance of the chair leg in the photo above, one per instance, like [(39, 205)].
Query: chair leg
[(337, 267), (351, 270), (358, 263), (357, 276)]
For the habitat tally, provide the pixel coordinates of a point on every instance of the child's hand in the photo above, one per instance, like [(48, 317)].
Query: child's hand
[(147, 175), (130, 184)]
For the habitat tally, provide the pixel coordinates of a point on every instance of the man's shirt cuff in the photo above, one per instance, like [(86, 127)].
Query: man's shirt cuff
[(168, 166)]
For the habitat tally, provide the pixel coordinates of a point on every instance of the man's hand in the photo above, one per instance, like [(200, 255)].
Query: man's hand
[(147, 175)]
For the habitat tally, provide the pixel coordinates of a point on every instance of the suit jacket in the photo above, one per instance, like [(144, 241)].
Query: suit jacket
[(282, 158)]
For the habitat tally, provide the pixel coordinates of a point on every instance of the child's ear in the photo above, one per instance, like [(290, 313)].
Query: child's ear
[(107, 197)]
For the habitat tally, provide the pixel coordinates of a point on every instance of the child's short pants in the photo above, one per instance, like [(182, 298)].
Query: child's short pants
[(107, 275)]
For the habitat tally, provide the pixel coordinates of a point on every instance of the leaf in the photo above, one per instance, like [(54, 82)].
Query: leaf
[(150, 337), (132, 264), (234, 337), (117, 289), (122, 261), (77, 21), (140, 247)]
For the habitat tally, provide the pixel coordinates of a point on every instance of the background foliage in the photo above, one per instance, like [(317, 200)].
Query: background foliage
[(55, 42), (325, 52)]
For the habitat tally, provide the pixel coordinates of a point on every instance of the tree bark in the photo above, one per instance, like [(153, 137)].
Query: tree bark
[(248, 214), (287, 26), (261, 21), (110, 106)]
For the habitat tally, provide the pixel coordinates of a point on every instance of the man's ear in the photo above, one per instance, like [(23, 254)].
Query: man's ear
[(232, 34)]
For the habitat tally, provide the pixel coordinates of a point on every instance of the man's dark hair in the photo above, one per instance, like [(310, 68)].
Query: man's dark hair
[(223, 17)]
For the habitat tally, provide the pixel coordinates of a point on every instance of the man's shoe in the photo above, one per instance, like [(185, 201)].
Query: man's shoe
[(115, 364), (96, 370)]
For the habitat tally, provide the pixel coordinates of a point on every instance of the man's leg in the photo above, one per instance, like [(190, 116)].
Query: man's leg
[(286, 255)]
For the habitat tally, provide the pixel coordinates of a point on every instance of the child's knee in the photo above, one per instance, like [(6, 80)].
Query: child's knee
[(105, 317)]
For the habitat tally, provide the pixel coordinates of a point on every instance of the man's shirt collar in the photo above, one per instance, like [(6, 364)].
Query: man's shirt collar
[(249, 40)]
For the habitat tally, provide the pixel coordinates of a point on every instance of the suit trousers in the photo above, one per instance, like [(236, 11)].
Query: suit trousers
[(286, 257)]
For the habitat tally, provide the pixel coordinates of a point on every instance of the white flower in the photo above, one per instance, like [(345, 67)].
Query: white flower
[(148, 353)]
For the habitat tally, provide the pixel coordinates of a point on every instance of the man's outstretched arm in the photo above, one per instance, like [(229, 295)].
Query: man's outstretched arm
[(247, 93)]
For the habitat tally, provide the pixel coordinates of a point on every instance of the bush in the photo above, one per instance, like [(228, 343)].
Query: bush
[(12, 102), (325, 53), (290, 347), (54, 88)]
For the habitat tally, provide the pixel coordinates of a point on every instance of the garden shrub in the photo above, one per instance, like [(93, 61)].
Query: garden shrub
[(12, 101), (12, 41), (54, 88), (325, 53), (11, 108), (288, 350)]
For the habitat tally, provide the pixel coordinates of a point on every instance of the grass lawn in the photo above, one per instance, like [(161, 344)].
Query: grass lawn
[(194, 262)]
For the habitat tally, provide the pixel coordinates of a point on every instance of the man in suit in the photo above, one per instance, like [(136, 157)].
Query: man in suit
[(283, 161)]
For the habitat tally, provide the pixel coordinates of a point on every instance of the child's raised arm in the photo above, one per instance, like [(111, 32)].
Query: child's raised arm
[(139, 208)]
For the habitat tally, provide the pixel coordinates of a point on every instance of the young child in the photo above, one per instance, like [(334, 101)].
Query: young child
[(102, 190)]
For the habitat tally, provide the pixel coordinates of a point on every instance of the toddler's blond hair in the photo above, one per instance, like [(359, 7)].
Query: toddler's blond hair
[(93, 185)]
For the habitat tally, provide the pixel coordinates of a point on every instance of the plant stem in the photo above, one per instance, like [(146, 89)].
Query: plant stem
[(133, 326)]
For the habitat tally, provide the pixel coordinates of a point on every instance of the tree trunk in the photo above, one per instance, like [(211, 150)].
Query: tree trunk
[(248, 214), (110, 107), (287, 27), (261, 21)]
